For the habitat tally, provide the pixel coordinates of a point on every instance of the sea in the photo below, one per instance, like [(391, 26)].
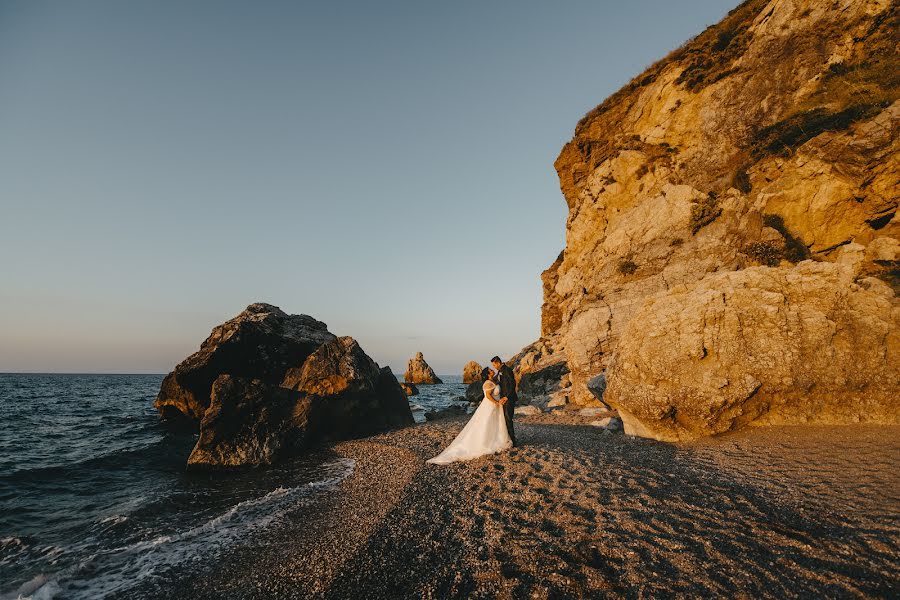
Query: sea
[(95, 501)]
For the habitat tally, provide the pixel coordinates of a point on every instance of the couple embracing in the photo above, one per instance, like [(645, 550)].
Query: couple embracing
[(490, 429)]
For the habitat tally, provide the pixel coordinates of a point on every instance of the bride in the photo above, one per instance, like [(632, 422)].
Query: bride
[(485, 433)]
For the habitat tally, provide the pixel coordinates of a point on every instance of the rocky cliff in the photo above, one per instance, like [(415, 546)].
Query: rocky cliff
[(732, 239)]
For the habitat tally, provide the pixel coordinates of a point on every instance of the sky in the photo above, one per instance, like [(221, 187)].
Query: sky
[(386, 167)]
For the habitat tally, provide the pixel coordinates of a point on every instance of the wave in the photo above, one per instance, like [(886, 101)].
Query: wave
[(112, 458), (38, 588), (118, 569)]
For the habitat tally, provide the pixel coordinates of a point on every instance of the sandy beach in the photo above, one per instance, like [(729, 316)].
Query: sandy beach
[(576, 513)]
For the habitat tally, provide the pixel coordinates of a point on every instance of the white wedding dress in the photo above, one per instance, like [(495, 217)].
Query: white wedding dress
[(485, 433)]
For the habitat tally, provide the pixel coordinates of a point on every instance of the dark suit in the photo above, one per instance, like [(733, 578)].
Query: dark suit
[(507, 382)]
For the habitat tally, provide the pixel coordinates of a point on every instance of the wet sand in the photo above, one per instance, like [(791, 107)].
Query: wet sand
[(576, 513)]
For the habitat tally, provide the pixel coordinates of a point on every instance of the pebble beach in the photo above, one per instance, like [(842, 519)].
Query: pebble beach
[(574, 512)]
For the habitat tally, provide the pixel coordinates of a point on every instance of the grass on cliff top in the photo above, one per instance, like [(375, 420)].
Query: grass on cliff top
[(707, 57), (848, 92)]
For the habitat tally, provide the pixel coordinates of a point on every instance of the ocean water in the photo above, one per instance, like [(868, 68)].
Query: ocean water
[(95, 499), (435, 397)]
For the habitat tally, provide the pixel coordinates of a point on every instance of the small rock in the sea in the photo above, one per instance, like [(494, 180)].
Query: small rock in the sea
[(471, 372), (474, 393), (450, 411), (416, 407), (418, 371), (409, 388)]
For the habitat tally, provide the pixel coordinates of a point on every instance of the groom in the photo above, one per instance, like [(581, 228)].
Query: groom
[(507, 382)]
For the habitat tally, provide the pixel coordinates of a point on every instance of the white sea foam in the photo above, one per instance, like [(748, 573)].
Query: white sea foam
[(117, 570), (38, 588)]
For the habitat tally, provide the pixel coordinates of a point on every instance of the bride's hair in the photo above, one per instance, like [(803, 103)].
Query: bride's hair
[(485, 374)]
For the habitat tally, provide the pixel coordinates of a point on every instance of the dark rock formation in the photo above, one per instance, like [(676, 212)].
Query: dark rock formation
[(262, 342), (418, 371), (249, 422), (597, 386), (266, 383), (338, 393), (409, 388), (354, 396), (542, 385), (451, 411), (474, 393)]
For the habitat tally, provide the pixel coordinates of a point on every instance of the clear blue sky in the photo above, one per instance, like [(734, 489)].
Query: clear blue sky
[(386, 167)]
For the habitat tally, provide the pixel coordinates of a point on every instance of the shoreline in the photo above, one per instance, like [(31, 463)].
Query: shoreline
[(766, 512)]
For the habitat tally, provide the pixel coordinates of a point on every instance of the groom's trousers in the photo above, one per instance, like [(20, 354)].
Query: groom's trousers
[(509, 410)]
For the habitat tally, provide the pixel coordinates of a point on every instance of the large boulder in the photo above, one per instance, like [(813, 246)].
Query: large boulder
[(248, 422), (356, 397), (813, 344), (337, 393), (471, 372), (418, 371), (261, 343), (527, 411)]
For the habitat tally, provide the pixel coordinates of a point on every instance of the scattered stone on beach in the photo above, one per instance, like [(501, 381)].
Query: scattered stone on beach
[(597, 412), (418, 371), (409, 389), (337, 393), (475, 392), (539, 385), (454, 410), (558, 400), (812, 344), (597, 386), (262, 343), (601, 422), (528, 410), (471, 372)]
